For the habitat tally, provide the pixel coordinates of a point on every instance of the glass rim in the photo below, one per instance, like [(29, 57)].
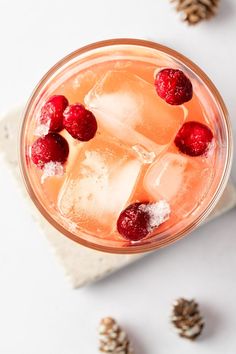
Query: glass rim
[(130, 249)]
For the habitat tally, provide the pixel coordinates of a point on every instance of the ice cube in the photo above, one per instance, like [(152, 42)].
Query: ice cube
[(129, 108), (181, 180), (99, 185), (144, 156)]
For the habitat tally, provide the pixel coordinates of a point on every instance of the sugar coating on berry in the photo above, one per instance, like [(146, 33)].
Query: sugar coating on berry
[(139, 219), (51, 169), (52, 147), (52, 114), (42, 129), (173, 86), (194, 138), (158, 213), (80, 123)]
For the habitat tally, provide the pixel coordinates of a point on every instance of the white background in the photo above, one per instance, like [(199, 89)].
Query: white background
[(39, 312)]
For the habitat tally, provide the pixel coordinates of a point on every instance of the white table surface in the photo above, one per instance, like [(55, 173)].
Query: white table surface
[(39, 312)]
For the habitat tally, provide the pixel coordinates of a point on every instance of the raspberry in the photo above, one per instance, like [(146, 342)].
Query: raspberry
[(51, 147), (79, 122), (193, 138), (134, 222), (52, 113), (173, 86)]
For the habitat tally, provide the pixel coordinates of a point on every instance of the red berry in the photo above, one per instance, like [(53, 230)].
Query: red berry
[(134, 222), (51, 147), (52, 113), (79, 122), (193, 138), (173, 86)]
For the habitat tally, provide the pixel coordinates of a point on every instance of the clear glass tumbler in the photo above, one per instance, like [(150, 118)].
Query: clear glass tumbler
[(149, 52)]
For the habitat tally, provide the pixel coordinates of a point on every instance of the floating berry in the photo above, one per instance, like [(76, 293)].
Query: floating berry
[(133, 222), (79, 122), (139, 219), (193, 138), (173, 86), (51, 147), (52, 113)]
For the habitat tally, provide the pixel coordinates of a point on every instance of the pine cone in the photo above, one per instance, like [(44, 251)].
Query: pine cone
[(187, 318), (194, 11), (112, 338)]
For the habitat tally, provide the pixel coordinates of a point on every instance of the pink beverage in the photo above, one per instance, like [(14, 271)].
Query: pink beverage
[(156, 157)]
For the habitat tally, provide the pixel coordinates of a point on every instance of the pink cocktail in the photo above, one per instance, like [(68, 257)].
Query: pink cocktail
[(141, 159)]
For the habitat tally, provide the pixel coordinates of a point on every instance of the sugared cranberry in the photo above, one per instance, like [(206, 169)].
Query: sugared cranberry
[(134, 222), (193, 138), (52, 113), (51, 147), (173, 86), (79, 122)]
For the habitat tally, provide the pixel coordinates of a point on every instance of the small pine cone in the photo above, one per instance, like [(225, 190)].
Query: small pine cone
[(187, 319), (112, 338), (194, 11)]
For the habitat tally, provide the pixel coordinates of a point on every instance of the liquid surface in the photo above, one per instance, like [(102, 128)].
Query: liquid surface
[(132, 158)]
